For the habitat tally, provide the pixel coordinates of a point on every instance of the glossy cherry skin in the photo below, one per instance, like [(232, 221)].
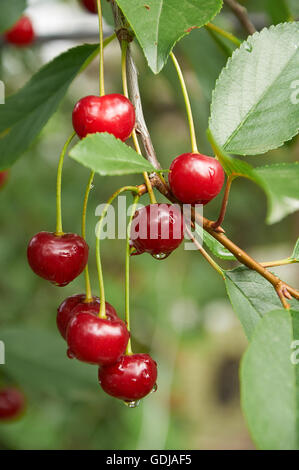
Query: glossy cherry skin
[(113, 113), (75, 304), (195, 178), (12, 403), (22, 33), (90, 5), (59, 259), (96, 340), (3, 178), (130, 378), (157, 229)]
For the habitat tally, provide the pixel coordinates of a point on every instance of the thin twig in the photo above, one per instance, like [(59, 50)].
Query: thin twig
[(224, 203), (279, 262), (242, 15)]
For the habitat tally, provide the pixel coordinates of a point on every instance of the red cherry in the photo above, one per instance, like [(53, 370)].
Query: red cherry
[(157, 229), (90, 5), (195, 178), (96, 340), (75, 304), (3, 178), (22, 33), (130, 378), (59, 259), (113, 113), (12, 403)]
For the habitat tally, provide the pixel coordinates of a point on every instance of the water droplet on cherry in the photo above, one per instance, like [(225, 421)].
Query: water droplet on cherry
[(69, 354), (161, 256), (132, 404)]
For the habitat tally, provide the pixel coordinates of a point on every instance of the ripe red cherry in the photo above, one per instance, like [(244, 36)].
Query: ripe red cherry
[(157, 229), (130, 378), (113, 113), (75, 304), (195, 178), (22, 33), (59, 259), (96, 340), (3, 178), (90, 5), (12, 403)]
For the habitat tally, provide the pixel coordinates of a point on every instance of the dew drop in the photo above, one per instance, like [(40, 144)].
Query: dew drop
[(132, 404), (161, 256), (69, 354)]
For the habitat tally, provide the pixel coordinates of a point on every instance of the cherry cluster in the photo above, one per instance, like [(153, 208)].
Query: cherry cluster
[(61, 257), (94, 333)]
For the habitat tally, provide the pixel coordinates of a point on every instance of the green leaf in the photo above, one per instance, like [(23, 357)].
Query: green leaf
[(216, 248), (254, 107), (36, 358), (252, 297), (295, 254), (10, 12), (106, 155), (270, 382), (27, 112), (159, 24), (280, 182)]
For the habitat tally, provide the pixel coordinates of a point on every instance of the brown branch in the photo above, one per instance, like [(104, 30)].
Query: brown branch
[(134, 93), (283, 290), (141, 127), (242, 15)]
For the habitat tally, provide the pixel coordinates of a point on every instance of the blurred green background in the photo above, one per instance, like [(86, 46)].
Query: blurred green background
[(179, 308)]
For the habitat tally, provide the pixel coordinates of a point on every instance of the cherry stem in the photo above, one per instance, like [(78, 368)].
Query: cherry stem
[(101, 73), (102, 312), (103, 44), (59, 230), (127, 273), (88, 297), (279, 262), (220, 219), (223, 33), (187, 103), (124, 48), (205, 254)]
